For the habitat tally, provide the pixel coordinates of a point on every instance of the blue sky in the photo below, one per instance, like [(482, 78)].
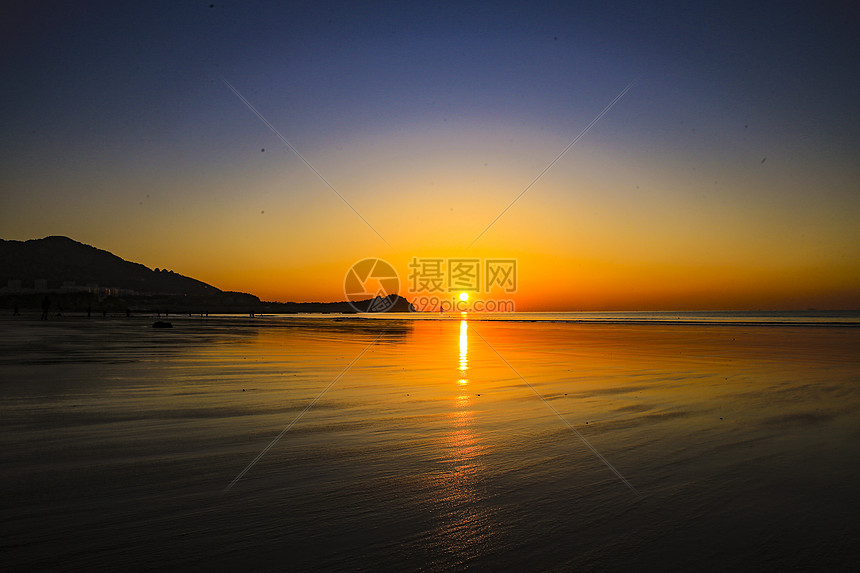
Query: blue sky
[(116, 119)]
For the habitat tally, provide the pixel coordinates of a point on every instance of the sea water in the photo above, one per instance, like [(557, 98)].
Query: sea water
[(550, 442)]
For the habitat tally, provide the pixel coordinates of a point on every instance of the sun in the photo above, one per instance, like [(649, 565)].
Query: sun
[(464, 296)]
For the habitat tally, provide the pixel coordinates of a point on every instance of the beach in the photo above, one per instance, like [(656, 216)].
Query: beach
[(403, 444)]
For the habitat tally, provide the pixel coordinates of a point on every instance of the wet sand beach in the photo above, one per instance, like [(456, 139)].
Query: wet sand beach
[(445, 445)]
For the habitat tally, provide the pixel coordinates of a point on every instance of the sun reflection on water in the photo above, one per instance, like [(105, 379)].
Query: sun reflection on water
[(467, 522), (464, 353)]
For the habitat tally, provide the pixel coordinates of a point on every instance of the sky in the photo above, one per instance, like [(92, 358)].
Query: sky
[(725, 177)]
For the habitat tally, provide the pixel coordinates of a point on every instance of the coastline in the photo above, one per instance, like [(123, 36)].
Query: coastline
[(429, 448)]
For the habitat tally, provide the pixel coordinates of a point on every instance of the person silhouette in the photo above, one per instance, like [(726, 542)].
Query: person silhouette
[(46, 306)]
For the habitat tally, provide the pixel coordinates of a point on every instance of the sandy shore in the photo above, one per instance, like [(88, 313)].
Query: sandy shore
[(119, 440)]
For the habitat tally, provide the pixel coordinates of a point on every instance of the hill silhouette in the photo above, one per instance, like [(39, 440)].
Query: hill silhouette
[(60, 260), (69, 268)]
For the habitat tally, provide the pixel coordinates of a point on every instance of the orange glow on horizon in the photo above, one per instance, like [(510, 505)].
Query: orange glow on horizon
[(585, 238)]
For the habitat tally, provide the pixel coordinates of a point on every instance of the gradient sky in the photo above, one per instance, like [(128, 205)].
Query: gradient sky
[(727, 177)]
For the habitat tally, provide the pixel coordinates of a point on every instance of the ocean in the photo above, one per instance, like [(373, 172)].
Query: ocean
[(540, 442)]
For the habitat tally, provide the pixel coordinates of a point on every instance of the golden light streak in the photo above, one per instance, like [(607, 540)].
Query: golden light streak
[(464, 353)]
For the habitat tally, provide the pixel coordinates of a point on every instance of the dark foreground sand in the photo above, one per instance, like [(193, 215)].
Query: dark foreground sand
[(118, 441)]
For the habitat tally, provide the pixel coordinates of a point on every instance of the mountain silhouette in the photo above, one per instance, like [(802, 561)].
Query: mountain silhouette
[(61, 260), (68, 269)]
